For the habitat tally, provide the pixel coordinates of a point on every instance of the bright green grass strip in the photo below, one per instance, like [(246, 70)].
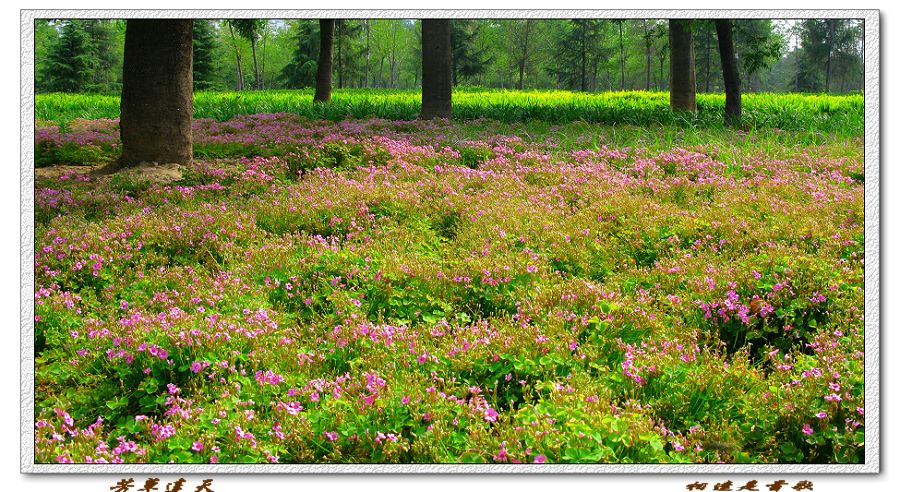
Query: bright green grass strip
[(842, 115)]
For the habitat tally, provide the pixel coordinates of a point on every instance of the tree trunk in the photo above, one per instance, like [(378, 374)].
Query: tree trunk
[(323, 70), (157, 102), (368, 35), (708, 50), (436, 69), (729, 72), (583, 60), (622, 56), (237, 55), (393, 66), (340, 59), (647, 45), (829, 41), (255, 64), (661, 81), (682, 82), (524, 59), (262, 84), (520, 84)]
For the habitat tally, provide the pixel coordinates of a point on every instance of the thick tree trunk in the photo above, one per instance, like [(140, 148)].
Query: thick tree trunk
[(436, 69), (157, 102), (323, 70), (682, 81), (729, 72)]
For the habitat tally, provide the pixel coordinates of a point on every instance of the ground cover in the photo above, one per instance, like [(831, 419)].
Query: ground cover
[(404, 291)]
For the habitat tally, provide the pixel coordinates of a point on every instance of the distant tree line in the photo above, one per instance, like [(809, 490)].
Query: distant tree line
[(813, 55)]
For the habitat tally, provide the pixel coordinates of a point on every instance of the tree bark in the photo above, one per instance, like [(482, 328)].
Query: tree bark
[(682, 80), (729, 72), (323, 70), (157, 102), (436, 69)]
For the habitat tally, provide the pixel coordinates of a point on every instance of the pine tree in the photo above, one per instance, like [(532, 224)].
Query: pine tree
[(204, 44), (468, 59), (300, 71), (69, 65)]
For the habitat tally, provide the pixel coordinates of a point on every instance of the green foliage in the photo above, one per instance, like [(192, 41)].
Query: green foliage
[(799, 112), (204, 46), (300, 72), (375, 291)]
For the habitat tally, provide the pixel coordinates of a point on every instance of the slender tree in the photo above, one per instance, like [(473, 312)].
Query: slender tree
[(368, 51), (682, 80), (265, 38), (250, 29), (621, 23), (157, 102), (323, 70), (237, 55), (648, 46), (730, 73), (436, 69)]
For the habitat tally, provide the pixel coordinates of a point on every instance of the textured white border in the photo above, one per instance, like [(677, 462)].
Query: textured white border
[(872, 244)]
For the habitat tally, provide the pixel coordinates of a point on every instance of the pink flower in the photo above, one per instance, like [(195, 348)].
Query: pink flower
[(490, 415), (197, 446), (807, 429), (540, 458), (821, 415)]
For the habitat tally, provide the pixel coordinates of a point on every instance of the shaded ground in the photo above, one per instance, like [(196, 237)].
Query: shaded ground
[(155, 173)]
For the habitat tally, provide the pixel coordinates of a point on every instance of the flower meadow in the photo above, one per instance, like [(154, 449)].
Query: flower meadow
[(385, 291)]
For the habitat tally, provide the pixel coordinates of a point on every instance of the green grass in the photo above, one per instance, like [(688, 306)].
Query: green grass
[(814, 113)]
